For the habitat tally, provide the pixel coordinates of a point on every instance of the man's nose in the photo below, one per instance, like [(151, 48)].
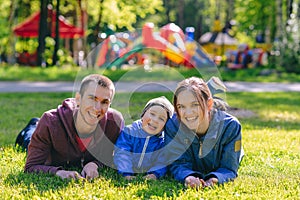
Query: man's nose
[(98, 105)]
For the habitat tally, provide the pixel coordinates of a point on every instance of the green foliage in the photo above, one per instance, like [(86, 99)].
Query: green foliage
[(290, 46), (259, 74), (253, 16), (270, 169), (123, 14)]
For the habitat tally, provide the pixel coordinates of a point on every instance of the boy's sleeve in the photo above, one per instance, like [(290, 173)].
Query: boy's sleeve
[(123, 154)]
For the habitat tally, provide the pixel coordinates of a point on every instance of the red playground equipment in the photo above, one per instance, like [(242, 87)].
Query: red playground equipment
[(170, 40)]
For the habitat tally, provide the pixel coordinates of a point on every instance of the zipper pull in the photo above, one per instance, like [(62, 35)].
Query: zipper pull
[(82, 161), (200, 149)]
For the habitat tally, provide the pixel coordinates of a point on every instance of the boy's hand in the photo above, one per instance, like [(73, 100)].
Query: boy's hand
[(129, 178), (150, 177)]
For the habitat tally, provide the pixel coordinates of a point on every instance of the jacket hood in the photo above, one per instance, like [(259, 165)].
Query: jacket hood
[(66, 112)]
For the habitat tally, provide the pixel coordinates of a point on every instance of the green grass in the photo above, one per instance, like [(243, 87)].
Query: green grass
[(270, 169), (21, 73)]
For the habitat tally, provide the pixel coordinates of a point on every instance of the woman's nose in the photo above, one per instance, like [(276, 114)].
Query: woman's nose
[(188, 111)]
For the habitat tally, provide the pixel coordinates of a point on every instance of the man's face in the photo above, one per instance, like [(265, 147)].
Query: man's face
[(94, 103)]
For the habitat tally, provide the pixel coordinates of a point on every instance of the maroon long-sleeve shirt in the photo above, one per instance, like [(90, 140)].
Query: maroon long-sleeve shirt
[(53, 145)]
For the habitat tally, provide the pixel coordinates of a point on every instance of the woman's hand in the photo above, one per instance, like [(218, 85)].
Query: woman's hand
[(211, 182), (194, 182)]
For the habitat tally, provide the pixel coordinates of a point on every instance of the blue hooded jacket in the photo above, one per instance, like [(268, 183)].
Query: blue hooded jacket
[(136, 151), (216, 154)]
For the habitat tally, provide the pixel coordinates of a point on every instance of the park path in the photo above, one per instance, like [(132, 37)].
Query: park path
[(21, 86)]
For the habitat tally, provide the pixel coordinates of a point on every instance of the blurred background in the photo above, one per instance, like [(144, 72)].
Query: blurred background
[(235, 34)]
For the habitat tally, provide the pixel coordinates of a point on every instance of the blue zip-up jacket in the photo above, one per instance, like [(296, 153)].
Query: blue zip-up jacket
[(136, 151), (216, 154)]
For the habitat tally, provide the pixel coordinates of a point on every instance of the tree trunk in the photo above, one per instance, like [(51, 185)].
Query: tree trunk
[(8, 53), (97, 28), (56, 47), (229, 10), (167, 7), (280, 28), (180, 13), (42, 31)]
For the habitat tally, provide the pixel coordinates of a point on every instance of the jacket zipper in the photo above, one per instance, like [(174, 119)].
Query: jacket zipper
[(144, 151), (82, 161), (200, 149)]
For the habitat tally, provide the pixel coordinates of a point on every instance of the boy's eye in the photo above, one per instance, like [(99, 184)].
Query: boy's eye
[(162, 119), (152, 114)]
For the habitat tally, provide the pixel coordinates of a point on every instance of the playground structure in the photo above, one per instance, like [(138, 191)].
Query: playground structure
[(29, 28), (222, 46), (176, 48), (244, 57)]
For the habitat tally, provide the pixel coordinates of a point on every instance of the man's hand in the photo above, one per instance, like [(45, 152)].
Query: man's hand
[(68, 174), (194, 182), (90, 171)]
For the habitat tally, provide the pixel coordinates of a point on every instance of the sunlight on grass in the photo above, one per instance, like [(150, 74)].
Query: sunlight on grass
[(269, 170), (284, 116)]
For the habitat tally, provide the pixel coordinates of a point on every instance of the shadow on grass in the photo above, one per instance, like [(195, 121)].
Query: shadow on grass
[(109, 179), (165, 187), (40, 182)]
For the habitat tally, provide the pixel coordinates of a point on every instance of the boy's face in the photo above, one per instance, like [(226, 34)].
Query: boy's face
[(154, 120)]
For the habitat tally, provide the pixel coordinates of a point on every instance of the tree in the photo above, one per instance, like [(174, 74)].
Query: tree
[(56, 33), (42, 31)]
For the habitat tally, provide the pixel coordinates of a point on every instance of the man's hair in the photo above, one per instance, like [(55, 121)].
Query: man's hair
[(101, 80)]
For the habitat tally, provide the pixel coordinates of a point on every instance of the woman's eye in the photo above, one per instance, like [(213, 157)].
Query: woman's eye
[(179, 106)]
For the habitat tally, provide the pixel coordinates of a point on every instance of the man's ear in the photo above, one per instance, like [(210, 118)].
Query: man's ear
[(210, 103), (77, 98)]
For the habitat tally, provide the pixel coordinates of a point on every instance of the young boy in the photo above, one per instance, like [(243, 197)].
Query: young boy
[(139, 146)]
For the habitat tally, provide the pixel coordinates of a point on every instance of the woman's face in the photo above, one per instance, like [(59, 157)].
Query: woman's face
[(190, 112)]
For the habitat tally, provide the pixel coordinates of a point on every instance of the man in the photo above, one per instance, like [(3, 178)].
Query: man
[(79, 133)]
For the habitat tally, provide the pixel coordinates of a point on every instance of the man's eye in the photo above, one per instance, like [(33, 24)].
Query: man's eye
[(105, 102)]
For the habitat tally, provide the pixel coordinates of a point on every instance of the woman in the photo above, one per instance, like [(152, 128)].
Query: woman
[(203, 141)]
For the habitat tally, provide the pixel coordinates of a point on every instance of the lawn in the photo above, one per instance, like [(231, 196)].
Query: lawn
[(259, 74), (270, 169)]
